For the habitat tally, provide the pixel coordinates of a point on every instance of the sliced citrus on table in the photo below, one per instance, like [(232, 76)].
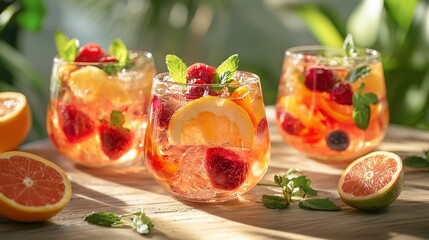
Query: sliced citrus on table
[(211, 121), (15, 120), (31, 188), (372, 182), (93, 85)]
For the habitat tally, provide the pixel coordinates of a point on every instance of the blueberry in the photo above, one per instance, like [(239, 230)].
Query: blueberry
[(337, 140)]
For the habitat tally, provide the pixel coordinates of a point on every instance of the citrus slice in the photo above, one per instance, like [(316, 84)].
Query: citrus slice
[(15, 120), (241, 96), (211, 121), (93, 85), (372, 182), (31, 188)]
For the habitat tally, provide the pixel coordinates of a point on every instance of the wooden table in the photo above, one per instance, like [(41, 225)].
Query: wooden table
[(126, 189)]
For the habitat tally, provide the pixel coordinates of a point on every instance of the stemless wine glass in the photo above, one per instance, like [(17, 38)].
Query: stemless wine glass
[(331, 106), (97, 114), (207, 142)]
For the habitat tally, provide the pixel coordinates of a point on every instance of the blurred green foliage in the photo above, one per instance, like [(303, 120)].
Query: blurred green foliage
[(16, 72), (397, 29)]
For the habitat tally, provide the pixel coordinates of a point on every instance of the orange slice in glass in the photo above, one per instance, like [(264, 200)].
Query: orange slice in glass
[(211, 121)]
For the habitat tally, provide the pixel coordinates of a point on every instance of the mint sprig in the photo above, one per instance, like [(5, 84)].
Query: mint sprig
[(176, 67), (349, 46), (361, 107), (226, 69), (417, 161), (139, 222), (357, 73), (118, 49), (67, 49), (300, 187)]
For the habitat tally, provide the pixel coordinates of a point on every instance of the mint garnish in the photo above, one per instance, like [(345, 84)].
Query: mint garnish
[(417, 161), (320, 204), (300, 187), (140, 222), (226, 69), (67, 49), (361, 108), (118, 49), (177, 68), (357, 73), (349, 46)]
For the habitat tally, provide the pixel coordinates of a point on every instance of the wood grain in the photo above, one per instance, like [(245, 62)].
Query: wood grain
[(128, 189)]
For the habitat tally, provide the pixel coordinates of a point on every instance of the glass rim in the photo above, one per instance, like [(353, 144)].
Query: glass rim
[(146, 55), (251, 78), (300, 52)]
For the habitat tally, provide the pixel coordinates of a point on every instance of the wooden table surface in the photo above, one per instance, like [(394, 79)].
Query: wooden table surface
[(126, 189)]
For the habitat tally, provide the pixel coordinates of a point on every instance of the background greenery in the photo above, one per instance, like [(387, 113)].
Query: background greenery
[(210, 30)]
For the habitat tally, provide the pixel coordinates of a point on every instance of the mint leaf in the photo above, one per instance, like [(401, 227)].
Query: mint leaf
[(416, 162), (320, 204), (303, 185), (104, 219), (226, 69), (118, 49), (67, 49), (361, 109), (275, 202), (117, 119), (177, 68), (349, 46), (358, 73)]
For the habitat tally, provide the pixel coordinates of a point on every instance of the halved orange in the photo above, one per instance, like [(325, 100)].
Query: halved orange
[(372, 182), (31, 188), (15, 120), (241, 96), (211, 121)]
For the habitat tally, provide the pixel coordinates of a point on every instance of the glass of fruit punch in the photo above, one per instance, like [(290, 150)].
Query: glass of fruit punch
[(207, 138), (99, 102), (331, 102)]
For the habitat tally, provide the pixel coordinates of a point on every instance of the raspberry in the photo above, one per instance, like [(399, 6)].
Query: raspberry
[(91, 52), (194, 92), (319, 79), (342, 94), (292, 125), (161, 112), (76, 125), (115, 141), (200, 71), (337, 140), (225, 169)]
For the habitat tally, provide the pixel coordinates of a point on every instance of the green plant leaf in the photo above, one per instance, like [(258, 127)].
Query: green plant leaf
[(349, 46), (319, 24), (275, 202), (117, 119), (176, 67), (31, 18), (402, 12), (6, 15), (370, 98), (320, 204)]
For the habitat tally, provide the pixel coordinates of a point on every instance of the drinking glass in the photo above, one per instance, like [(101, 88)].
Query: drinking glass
[(97, 113), (207, 142), (331, 106)]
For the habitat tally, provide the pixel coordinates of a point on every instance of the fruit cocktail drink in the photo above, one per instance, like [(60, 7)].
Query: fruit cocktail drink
[(99, 102), (207, 138), (331, 106)]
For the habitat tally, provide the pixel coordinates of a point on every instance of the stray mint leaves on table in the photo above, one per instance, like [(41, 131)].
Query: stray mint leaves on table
[(417, 161), (139, 222)]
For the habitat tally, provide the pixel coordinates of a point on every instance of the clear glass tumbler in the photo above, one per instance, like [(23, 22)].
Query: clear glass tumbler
[(97, 113), (331, 106), (207, 142)]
